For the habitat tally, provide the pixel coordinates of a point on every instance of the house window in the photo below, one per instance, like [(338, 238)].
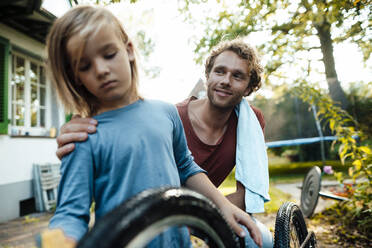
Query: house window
[(28, 96), (38, 92)]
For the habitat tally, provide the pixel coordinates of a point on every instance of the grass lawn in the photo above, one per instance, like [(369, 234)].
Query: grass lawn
[(277, 196), (284, 172), (288, 172)]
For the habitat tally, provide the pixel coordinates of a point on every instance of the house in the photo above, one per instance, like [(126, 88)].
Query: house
[(29, 113)]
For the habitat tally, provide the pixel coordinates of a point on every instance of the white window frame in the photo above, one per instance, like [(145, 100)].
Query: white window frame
[(27, 129)]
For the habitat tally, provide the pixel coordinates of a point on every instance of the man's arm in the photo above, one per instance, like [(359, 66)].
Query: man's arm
[(234, 216), (74, 131), (237, 198)]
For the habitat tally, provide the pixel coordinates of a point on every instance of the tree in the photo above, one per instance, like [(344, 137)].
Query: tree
[(296, 27)]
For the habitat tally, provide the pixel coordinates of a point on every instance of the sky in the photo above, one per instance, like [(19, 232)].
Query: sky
[(173, 51)]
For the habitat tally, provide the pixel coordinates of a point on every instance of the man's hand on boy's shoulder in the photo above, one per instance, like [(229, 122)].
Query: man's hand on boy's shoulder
[(75, 130)]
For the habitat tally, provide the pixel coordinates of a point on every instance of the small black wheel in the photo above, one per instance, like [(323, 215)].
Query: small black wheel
[(310, 191), (290, 226), (139, 220)]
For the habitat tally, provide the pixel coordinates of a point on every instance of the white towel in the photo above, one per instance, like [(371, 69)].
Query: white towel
[(251, 159)]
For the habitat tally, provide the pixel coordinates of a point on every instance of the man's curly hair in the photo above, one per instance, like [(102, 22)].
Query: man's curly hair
[(244, 51)]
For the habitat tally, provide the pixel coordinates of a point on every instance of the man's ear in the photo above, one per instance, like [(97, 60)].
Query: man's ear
[(247, 91), (253, 79), (130, 51), (207, 83), (207, 78)]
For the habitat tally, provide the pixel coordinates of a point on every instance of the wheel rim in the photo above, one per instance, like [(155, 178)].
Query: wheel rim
[(158, 227), (294, 240)]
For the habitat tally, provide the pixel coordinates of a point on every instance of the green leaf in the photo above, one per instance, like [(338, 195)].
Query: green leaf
[(351, 171), (332, 124), (366, 150), (357, 164)]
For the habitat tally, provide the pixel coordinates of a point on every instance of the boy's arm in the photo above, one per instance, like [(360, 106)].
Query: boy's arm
[(75, 192), (234, 216)]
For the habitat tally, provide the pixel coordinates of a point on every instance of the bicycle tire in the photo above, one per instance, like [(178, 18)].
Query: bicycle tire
[(140, 219), (290, 226)]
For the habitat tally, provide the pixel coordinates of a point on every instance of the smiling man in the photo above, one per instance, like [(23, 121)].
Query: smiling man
[(232, 71)]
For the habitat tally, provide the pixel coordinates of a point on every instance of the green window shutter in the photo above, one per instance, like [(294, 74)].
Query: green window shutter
[(68, 117), (4, 60)]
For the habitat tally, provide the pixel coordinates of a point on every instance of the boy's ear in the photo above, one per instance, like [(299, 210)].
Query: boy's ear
[(130, 51)]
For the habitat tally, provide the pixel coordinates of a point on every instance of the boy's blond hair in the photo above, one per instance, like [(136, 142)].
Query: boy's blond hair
[(84, 21), (244, 51)]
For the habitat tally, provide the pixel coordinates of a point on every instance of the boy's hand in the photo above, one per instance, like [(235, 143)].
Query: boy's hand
[(73, 131), (236, 216), (54, 238)]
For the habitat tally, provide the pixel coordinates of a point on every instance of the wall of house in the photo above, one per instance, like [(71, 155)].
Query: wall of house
[(19, 153), (22, 40)]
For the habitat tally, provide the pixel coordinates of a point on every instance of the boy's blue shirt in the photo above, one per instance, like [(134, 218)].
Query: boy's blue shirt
[(137, 147)]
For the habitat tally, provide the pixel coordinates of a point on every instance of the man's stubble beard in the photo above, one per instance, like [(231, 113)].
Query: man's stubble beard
[(230, 104)]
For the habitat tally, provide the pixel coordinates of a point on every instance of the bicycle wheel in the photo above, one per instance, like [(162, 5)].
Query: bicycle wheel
[(137, 221), (290, 226)]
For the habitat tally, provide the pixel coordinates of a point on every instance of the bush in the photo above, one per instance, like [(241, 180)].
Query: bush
[(349, 228), (301, 168), (357, 212)]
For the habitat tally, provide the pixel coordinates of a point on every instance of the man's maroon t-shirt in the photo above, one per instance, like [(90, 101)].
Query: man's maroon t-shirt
[(218, 160)]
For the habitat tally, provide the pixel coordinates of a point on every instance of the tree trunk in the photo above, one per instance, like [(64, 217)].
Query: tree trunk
[(335, 90)]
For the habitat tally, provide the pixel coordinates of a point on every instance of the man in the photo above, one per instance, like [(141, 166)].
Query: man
[(211, 125)]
